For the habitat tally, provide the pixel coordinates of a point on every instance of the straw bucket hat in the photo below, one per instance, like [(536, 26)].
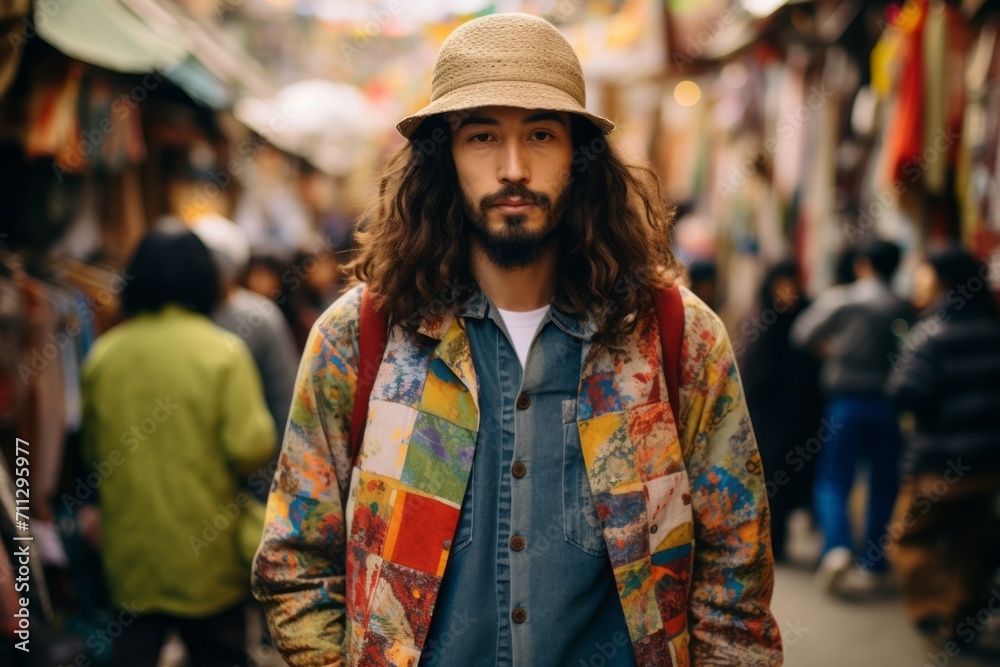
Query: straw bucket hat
[(510, 60)]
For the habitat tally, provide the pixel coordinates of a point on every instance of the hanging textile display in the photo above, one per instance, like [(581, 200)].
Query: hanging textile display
[(54, 125)]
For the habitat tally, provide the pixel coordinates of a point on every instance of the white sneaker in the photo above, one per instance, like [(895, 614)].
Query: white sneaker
[(860, 583), (832, 567)]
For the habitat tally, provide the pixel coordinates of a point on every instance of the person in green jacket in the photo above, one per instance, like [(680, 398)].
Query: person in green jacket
[(175, 422)]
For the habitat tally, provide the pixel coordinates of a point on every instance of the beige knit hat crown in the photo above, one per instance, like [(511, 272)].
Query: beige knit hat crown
[(510, 60)]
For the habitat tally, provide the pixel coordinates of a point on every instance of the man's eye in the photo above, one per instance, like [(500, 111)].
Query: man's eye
[(481, 138), (542, 135)]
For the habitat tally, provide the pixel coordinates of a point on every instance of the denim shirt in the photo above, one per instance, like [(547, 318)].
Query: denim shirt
[(529, 581)]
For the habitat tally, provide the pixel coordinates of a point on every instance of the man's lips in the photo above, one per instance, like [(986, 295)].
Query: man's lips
[(513, 205)]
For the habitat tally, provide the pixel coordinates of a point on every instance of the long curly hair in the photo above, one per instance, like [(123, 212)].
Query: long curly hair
[(614, 249)]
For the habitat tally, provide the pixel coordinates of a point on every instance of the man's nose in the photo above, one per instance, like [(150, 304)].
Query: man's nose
[(513, 165)]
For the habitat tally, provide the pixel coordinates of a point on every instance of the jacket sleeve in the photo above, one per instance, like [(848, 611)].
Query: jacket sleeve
[(299, 570), (246, 429), (729, 614), (815, 323)]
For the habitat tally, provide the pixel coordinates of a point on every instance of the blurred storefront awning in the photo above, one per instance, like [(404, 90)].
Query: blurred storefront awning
[(137, 36), (213, 48), (107, 34)]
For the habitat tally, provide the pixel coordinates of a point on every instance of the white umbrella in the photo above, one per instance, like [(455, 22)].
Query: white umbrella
[(329, 124)]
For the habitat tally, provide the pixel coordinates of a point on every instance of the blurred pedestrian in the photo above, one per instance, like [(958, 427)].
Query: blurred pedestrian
[(781, 381), (843, 269), (255, 319), (174, 420), (946, 531), (270, 208), (704, 278), (264, 275), (853, 327), (314, 284)]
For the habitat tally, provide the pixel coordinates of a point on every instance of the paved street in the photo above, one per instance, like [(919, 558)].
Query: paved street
[(821, 631)]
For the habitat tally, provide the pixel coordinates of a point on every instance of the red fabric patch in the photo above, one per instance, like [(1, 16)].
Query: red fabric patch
[(423, 529)]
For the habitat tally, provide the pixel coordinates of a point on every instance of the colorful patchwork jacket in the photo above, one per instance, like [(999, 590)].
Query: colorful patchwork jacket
[(351, 559)]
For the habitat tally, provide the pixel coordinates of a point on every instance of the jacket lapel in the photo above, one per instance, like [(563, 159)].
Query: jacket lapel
[(455, 352), (638, 481), (413, 472)]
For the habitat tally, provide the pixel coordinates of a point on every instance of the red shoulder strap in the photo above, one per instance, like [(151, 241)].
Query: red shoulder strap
[(373, 331), (670, 317)]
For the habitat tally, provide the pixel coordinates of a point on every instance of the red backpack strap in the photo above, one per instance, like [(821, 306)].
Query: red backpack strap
[(373, 332), (670, 317)]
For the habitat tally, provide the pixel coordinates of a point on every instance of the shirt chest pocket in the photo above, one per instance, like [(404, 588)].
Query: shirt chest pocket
[(581, 526)]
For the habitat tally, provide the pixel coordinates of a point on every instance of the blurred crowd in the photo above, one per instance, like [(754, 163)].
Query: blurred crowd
[(157, 502), (880, 417)]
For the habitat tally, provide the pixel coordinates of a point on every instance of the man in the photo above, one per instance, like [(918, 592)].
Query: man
[(523, 494), (854, 327)]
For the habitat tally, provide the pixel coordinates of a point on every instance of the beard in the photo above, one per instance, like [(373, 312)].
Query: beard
[(514, 247)]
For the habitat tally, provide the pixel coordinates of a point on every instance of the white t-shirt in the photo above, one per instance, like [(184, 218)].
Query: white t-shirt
[(522, 326)]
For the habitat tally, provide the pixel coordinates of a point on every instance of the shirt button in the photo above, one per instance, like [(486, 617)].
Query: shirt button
[(517, 543), (519, 615), (653, 528), (518, 470), (523, 401)]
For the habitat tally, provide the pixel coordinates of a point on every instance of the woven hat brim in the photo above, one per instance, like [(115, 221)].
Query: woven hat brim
[(520, 94)]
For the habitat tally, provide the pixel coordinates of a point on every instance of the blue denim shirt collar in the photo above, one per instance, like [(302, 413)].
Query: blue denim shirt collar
[(579, 326)]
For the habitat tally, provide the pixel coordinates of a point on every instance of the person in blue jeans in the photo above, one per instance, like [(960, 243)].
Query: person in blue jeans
[(855, 329)]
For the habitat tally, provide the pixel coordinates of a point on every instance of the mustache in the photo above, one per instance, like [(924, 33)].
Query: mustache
[(515, 191)]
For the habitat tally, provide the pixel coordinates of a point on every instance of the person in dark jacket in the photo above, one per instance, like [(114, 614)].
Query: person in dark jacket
[(781, 382), (946, 377), (853, 327)]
